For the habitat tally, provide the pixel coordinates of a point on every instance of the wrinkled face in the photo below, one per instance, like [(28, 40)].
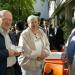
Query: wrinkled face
[(34, 24), (7, 21)]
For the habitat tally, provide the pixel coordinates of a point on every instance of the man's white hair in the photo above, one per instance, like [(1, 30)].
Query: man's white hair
[(32, 17), (2, 12)]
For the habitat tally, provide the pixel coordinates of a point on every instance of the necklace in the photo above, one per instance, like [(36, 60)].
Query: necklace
[(36, 36)]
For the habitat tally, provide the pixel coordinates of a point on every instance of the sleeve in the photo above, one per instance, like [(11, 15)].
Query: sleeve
[(3, 51), (71, 52), (3, 54), (24, 45)]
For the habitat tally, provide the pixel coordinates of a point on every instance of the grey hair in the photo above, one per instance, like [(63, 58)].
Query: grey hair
[(32, 17), (2, 12)]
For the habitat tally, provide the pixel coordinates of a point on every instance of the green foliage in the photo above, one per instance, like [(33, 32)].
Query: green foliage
[(20, 9), (67, 28)]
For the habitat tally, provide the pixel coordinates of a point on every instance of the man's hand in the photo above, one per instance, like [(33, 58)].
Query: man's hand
[(14, 53)]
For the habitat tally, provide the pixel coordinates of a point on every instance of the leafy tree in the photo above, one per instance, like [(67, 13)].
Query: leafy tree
[(67, 28), (20, 9)]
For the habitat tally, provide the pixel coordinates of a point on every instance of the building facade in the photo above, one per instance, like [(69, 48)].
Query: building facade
[(62, 10), (63, 13), (42, 8)]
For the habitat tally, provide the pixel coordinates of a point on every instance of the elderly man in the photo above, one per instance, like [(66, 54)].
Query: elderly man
[(7, 50)]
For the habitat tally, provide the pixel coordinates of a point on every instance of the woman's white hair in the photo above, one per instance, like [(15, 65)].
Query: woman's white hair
[(32, 17)]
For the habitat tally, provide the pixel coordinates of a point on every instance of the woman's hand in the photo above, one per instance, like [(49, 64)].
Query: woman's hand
[(42, 56)]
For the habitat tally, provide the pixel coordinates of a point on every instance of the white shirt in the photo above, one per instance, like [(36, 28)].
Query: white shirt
[(55, 31), (10, 60), (38, 44)]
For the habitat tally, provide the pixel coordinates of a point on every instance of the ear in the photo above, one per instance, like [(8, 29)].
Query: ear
[(0, 21)]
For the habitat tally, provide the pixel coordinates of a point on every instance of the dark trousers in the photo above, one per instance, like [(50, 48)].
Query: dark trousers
[(10, 71), (14, 70)]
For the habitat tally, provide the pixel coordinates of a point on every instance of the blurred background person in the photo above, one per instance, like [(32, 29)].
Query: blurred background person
[(19, 27), (58, 38), (46, 26), (51, 37), (48, 29)]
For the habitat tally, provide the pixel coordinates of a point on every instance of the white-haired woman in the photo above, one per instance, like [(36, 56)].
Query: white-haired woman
[(36, 47)]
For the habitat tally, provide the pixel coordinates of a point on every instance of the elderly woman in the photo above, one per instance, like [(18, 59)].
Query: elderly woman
[(36, 47)]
